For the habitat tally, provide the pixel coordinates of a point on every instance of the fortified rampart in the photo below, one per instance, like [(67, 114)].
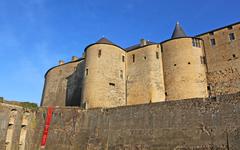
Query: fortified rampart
[(212, 123), (179, 68)]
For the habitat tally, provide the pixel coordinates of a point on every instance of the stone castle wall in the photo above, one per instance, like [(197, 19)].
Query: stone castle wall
[(223, 60), (184, 124), (56, 84)]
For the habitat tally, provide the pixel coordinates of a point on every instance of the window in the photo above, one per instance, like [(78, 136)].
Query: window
[(99, 53), (123, 58), (209, 87), (157, 55), (213, 42), (112, 84), (203, 59), (86, 72), (145, 57), (231, 36), (121, 74), (133, 57), (196, 42)]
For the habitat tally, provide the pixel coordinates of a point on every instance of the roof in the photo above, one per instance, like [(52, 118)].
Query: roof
[(218, 29), (138, 46), (178, 31), (104, 41)]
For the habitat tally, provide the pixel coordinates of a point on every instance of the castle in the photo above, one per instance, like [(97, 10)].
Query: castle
[(182, 67), (203, 69)]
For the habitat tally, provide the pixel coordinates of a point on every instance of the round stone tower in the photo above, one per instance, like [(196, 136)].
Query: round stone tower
[(184, 67), (104, 80), (145, 82)]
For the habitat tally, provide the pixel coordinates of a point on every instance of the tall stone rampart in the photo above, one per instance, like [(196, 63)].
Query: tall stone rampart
[(207, 124)]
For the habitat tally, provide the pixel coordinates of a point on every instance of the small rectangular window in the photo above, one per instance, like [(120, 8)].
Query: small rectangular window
[(123, 58), (231, 36), (121, 74), (157, 55), (133, 57), (99, 53), (213, 42), (86, 72), (209, 87), (112, 84)]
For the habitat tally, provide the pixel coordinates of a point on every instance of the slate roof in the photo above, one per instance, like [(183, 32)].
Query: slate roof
[(104, 41), (178, 31), (138, 46)]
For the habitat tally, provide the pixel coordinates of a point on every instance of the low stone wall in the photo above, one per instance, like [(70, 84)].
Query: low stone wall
[(196, 124)]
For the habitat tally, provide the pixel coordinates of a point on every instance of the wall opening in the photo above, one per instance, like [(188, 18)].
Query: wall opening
[(121, 74), (203, 59), (231, 36), (208, 87), (133, 57), (86, 72), (157, 55), (112, 84), (145, 57), (99, 53), (212, 42), (123, 58), (234, 56), (189, 63), (166, 94), (175, 64), (196, 42)]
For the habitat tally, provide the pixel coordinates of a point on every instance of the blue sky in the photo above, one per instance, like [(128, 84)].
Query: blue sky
[(35, 34)]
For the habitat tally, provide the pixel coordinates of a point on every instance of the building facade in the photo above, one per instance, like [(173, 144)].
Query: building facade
[(182, 67)]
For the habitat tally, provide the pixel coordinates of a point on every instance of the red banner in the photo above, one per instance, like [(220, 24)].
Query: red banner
[(47, 125)]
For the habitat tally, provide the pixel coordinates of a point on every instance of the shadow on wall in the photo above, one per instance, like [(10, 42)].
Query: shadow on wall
[(74, 86)]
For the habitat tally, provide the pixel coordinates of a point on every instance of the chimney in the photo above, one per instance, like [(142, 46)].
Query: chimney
[(74, 58), (143, 42), (61, 62)]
